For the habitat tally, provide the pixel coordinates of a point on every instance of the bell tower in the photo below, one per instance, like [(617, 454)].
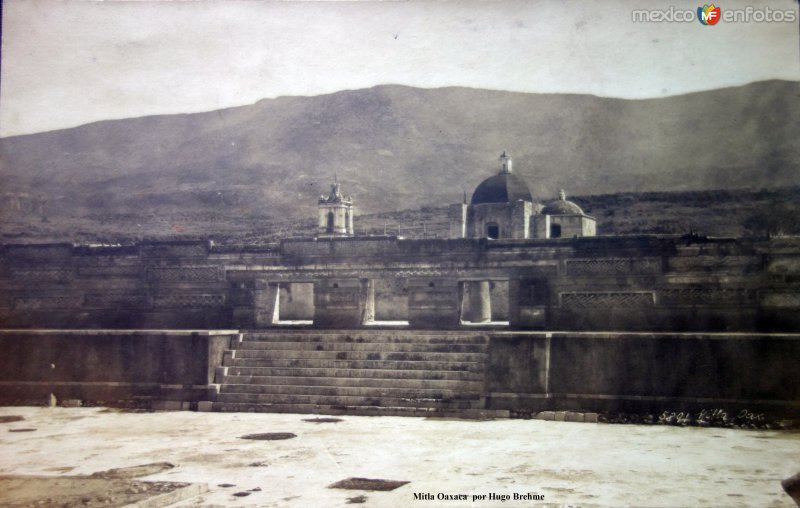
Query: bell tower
[(335, 214)]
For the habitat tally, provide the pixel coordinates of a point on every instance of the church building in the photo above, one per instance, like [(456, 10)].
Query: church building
[(502, 207), (563, 219)]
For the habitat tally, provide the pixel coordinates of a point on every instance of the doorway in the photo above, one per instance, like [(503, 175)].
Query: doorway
[(295, 304), (484, 302)]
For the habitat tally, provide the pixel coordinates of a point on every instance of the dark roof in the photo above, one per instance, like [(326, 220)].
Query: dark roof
[(502, 188)]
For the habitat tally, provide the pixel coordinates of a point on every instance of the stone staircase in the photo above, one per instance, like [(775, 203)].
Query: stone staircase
[(364, 372)]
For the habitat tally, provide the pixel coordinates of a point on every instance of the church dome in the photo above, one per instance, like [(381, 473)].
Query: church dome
[(562, 207), (504, 187)]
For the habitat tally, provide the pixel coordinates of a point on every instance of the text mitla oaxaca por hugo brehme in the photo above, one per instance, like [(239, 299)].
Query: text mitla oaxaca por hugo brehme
[(441, 496)]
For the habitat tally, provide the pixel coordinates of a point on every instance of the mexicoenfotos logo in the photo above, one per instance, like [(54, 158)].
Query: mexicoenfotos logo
[(708, 14), (711, 15)]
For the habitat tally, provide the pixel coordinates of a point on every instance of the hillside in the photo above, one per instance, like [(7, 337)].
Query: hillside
[(731, 213), (256, 168)]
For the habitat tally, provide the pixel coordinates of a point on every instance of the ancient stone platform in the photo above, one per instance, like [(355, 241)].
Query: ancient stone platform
[(471, 373)]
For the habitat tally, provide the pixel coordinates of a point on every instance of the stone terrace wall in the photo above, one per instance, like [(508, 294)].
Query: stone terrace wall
[(643, 372), (105, 367), (602, 283), (525, 372)]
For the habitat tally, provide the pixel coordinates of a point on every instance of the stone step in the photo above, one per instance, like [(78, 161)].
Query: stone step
[(287, 354), (347, 400), (349, 391), (397, 347), (370, 372), (246, 364), (405, 332), (267, 384), (475, 413), (249, 375), (366, 337)]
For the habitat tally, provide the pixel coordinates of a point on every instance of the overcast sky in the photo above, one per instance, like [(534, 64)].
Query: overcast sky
[(65, 63)]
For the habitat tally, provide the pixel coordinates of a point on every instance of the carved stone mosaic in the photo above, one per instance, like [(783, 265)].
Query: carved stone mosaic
[(190, 301), (45, 302), (110, 271), (780, 299), (607, 299), (52, 274), (186, 274), (738, 264), (428, 273), (693, 296), (358, 274), (116, 300), (614, 266)]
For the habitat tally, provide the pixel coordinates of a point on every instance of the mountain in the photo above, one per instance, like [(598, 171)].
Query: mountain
[(395, 148)]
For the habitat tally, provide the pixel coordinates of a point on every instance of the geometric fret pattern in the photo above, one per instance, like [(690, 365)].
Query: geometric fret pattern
[(780, 299), (187, 274), (614, 266), (115, 300), (190, 301), (46, 303), (110, 271), (579, 300), (44, 275), (693, 296)]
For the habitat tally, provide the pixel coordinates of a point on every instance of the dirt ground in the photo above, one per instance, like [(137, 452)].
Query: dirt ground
[(445, 462), (79, 491)]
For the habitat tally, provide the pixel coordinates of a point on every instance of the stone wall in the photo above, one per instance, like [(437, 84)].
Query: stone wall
[(571, 226), (643, 372), (511, 219), (158, 285), (525, 372), (116, 368), (602, 283)]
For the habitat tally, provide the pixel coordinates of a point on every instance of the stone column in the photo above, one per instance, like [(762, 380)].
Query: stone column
[(479, 302), (368, 291)]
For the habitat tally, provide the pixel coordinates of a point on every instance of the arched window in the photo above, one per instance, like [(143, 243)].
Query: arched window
[(330, 222), (492, 231)]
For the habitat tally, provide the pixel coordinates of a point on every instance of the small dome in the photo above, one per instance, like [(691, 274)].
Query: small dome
[(562, 207), (502, 188)]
